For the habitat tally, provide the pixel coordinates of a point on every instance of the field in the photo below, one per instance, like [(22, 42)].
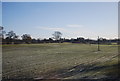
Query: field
[(60, 61)]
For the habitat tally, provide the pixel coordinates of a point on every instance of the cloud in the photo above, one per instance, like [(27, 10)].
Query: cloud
[(75, 25), (72, 29), (52, 28), (65, 28)]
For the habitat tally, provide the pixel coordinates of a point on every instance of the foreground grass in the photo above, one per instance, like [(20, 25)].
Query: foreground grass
[(54, 60)]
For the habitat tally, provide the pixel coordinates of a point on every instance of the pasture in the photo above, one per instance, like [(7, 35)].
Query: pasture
[(59, 61)]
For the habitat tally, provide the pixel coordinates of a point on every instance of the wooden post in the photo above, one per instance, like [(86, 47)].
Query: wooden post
[(98, 44)]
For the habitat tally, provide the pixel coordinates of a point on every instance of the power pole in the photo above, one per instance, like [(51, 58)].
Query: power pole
[(98, 44)]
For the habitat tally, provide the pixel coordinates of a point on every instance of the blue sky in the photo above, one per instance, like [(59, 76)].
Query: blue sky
[(0, 13), (73, 19)]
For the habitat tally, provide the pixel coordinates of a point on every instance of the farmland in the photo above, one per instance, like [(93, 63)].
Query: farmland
[(59, 61)]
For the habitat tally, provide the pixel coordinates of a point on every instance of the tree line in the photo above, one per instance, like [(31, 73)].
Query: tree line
[(12, 38)]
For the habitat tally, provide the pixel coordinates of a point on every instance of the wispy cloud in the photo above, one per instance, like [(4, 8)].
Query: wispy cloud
[(72, 31), (52, 28), (75, 25), (69, 26)]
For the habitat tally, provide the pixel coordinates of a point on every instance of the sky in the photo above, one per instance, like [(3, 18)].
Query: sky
[(0, 13), (72, 19), (60, 0)]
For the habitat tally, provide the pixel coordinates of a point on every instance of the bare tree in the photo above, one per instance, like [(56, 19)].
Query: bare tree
[(57, 35), (2, 32), (26, 38), (1, 28), (11, 35)]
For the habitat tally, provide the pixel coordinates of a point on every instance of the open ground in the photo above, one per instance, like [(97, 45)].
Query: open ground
[(59, 61)]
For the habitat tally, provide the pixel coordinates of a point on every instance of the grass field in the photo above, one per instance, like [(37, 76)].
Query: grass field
[(64, 61)]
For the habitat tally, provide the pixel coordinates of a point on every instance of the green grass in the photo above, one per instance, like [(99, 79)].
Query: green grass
[(40, 60)]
